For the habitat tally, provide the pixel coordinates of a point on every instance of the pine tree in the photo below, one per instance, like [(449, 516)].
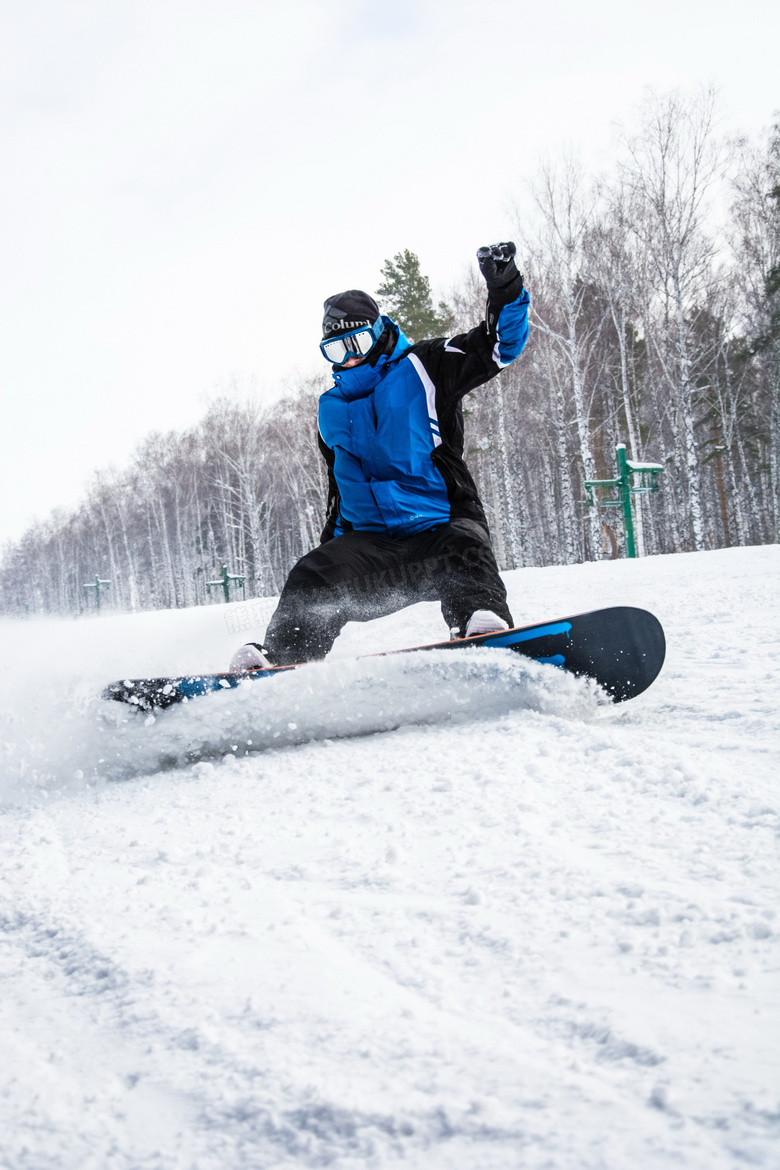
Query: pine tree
[(406, 297)]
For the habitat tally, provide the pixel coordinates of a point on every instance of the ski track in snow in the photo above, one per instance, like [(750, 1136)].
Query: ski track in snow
[(500, 925)]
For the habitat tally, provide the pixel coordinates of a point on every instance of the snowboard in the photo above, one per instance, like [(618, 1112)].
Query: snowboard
[(621, 647)]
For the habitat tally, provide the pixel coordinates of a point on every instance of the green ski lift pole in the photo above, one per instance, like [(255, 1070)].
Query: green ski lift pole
[(626, 470), (225, 581), (97, 585)]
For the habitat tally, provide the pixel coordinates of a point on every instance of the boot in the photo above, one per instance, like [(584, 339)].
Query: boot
[(250, 656), (484, 621)]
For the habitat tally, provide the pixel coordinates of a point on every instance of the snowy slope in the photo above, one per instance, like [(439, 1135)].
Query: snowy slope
[(521, 929)]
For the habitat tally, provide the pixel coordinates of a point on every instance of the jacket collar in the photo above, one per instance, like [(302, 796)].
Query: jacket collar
[(360, 380)]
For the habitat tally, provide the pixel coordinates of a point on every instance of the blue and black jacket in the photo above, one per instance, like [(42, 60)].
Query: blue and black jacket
[(391, 432)]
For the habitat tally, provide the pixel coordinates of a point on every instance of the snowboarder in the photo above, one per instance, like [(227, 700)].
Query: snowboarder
[(404, 520)]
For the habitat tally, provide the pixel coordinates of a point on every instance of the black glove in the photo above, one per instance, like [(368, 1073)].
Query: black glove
[(497, 265)]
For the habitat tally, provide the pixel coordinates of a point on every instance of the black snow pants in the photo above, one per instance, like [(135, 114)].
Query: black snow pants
[(362, 575)]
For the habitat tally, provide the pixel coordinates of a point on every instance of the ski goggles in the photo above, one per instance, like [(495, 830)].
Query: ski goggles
[(356, 343)]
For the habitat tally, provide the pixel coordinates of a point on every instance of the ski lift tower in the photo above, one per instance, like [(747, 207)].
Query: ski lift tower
[(225, 581), (97, 585), (648, 474)]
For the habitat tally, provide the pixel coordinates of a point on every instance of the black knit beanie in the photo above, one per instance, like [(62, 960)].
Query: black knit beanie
[(348, 310)]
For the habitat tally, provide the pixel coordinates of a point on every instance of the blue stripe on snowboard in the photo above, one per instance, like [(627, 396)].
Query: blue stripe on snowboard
[(195, 686), (191, 688), (512, 637)]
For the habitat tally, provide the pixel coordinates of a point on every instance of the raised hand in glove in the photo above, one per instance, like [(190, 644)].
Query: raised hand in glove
[(497, 265)]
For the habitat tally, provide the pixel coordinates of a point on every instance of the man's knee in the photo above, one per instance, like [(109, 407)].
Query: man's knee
[(467, 545), (321, 568)]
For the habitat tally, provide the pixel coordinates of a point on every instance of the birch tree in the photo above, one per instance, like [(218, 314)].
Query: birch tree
[(755, 237), (671, 168), (563, 305)]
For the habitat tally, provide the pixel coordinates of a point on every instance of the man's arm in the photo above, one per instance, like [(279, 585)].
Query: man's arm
[(459, 364), (334, 499)]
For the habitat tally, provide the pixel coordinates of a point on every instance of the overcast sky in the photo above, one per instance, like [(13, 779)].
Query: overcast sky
[(185, 181)]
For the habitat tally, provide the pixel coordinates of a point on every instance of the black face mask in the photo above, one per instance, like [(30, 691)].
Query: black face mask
[(385, 346)]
